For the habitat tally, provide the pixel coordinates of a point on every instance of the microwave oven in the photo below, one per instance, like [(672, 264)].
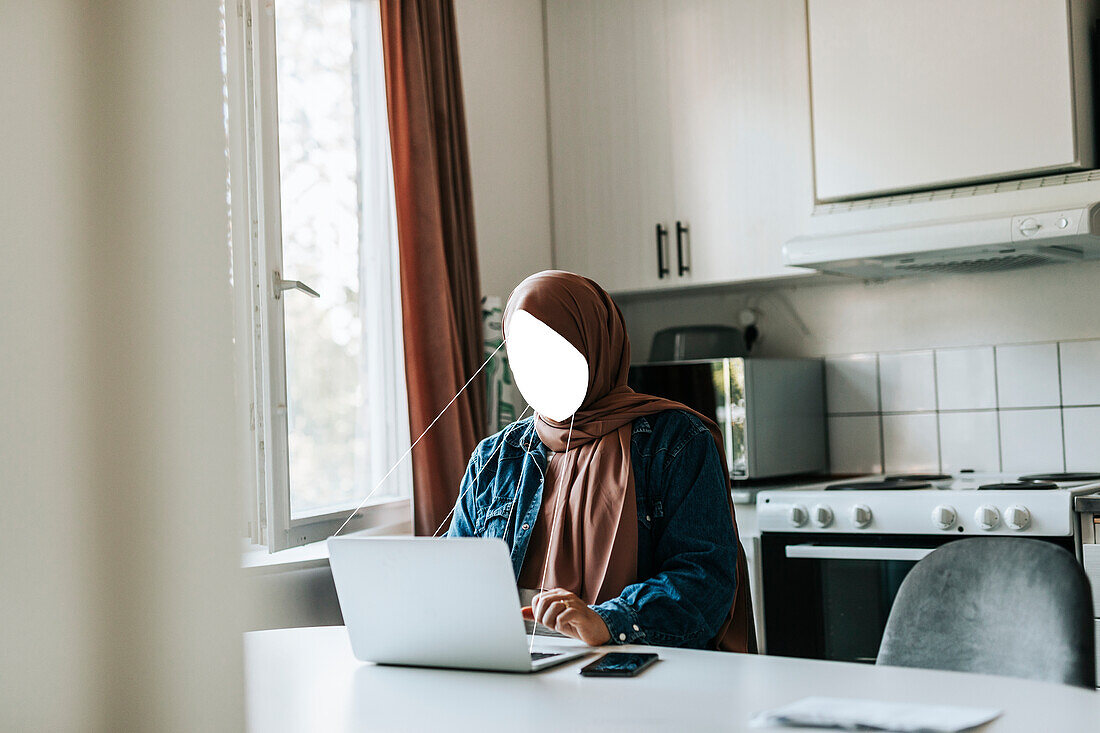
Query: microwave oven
[(771, 411)]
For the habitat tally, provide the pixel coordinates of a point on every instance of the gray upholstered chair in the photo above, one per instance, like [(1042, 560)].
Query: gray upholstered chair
[(997, 605)]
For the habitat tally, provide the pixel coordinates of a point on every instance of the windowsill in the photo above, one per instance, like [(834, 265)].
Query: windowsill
[(255, 559)]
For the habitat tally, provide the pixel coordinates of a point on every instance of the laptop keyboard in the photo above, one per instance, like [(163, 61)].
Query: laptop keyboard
[(536, 656)]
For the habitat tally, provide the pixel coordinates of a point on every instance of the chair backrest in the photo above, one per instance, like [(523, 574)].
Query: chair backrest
[(997, 605)]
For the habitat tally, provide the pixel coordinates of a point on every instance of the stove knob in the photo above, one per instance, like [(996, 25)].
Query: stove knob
[(1017, 517), (987, 516), (944, 516), (861, 515), (797, 515), (823, 515)]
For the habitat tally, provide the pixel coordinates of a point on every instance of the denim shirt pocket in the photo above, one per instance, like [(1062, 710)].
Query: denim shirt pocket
[(495, 522)]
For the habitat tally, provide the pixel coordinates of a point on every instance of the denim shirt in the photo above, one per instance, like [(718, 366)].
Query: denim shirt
[(687, 542)]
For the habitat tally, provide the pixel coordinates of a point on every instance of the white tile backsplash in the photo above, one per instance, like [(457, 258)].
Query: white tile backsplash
[(1080, 363), (1031, 440), (851, 383), (1082, 427), (1016, 408), (854, 444), (966, 379), (909, 443), (1027, 376), (969, 440), (907, 381)]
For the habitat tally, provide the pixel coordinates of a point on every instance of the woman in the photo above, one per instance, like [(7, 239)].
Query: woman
[(617, 508)]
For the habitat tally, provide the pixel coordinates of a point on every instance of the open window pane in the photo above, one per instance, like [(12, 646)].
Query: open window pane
[(335, 191)]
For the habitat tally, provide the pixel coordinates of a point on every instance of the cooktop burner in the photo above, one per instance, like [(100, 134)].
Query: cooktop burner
[(1078, 476), (887, 485), (1020, 486), (920, 477)]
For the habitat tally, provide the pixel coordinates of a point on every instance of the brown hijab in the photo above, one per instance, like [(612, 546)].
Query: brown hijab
[(594, 552)]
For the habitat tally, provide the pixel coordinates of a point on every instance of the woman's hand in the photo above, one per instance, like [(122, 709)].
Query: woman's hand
[(567, 614)]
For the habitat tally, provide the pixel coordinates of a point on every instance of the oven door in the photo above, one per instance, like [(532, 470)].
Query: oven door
[(828, 597)]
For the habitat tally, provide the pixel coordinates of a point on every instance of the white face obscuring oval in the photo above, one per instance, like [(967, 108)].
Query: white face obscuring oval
[(549, 371)]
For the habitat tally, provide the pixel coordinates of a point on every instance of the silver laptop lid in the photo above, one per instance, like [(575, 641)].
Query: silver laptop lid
[(449, 602)]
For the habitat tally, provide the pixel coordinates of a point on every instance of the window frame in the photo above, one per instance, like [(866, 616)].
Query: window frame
[(253, 149)]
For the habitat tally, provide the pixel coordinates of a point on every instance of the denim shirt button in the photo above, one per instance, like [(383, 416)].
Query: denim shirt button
[(622, 637), (636, 627), (526, 526), (648, 518)]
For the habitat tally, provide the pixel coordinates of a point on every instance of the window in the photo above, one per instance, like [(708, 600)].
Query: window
[(315, 259)]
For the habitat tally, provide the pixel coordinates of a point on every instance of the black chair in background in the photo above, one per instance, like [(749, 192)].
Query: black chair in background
[(996, 605)]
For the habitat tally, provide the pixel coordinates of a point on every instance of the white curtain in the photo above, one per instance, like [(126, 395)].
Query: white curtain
[(383, 418)]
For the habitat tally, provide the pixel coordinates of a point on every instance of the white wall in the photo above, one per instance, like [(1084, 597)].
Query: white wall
[(46, 541), (119, 511), (1057, 302), (501, 52)]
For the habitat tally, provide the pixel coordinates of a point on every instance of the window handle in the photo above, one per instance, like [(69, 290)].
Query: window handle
[(279, 285)]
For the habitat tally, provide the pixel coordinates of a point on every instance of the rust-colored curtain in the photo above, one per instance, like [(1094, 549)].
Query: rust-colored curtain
[(440, 290)]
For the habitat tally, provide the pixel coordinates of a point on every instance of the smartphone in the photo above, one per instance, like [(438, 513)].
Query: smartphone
[(618, 664)]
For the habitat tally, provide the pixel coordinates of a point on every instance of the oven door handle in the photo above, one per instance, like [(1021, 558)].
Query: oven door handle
[(835, 552)]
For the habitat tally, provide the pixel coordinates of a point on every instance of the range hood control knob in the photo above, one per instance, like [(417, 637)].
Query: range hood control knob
[(797, 515), (1029, 227), (823, 515), (987, 517), (943, 516), (1017, 517), (861, 515)]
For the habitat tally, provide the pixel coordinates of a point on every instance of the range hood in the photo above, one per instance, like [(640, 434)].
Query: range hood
[(951, 136), (973, 245)]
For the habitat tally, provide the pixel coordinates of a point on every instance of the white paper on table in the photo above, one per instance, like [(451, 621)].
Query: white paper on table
[(847, 714)]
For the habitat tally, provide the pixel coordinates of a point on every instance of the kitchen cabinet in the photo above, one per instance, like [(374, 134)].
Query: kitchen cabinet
[(932, 82), (610, 123), (692, 115)]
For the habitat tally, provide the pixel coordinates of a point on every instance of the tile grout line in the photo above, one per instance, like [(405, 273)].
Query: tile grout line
[(962, 411), (881, 422), (1061, 404), (936, 402), (997, 410), (1010, 344)]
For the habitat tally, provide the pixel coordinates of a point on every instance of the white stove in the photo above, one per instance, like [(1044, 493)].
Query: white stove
[(833, 555), (937, 504)]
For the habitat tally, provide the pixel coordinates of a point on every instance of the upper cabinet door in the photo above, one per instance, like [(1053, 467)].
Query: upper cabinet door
[(739, 87), (916, 95), (610, 138)]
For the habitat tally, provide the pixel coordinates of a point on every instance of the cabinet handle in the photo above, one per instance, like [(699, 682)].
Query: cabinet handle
[(681, 231), (662, 235)]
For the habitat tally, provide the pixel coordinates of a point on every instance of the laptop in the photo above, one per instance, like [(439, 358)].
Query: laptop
[(426, 602)]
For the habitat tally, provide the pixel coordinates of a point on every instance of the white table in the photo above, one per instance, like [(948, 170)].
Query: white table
[(307, 679)]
